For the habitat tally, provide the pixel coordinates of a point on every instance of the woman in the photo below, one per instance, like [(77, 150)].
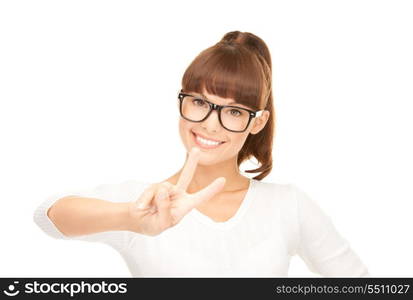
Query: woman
[(208, 220)]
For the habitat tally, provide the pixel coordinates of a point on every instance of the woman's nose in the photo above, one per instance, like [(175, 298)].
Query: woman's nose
[(212, 122)]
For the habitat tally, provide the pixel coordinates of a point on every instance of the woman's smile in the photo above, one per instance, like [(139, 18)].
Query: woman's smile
[(205, 143)]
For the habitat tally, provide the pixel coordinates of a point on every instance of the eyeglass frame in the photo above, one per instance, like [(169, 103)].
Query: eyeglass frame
[(213, 106)]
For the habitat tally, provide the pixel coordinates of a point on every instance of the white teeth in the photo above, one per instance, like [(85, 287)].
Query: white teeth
[(207, 142)]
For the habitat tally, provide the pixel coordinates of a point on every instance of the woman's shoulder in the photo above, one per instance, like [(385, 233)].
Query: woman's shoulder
[(275, 195), (271, 187), (288, 192)]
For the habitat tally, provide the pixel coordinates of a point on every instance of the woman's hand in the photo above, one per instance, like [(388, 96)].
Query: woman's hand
[(163, 205)]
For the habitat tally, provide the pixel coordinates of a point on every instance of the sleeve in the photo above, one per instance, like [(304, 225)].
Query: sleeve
[(320, 245), (116, 192)]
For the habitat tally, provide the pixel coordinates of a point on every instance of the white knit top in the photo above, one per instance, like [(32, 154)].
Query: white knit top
[(274, 222)]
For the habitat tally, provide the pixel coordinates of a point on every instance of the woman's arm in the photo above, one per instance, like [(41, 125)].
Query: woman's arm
[(67, 215), (75, 215), (324, 250)]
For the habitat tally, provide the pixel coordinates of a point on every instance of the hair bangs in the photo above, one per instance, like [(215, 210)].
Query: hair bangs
[(228, 72)]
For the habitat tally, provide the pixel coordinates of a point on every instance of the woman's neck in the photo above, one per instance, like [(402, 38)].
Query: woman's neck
[(206, 174)]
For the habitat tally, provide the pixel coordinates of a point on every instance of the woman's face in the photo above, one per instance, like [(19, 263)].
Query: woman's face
[(211, 129)]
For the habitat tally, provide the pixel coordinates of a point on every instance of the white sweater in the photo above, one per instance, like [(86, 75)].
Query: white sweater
[(274, 222)]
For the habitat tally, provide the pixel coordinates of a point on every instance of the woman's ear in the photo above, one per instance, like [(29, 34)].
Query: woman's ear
[(260, 122)]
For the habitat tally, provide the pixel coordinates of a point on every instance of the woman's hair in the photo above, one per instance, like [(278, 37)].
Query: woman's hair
[(239, 67)]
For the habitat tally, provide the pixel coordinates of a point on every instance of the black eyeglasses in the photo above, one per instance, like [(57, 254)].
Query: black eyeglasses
[(196, 109)]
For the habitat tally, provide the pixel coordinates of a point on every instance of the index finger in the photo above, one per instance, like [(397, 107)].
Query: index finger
[(189, 168)]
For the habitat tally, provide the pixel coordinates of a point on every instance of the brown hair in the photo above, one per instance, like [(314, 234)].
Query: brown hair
[(239, 67)]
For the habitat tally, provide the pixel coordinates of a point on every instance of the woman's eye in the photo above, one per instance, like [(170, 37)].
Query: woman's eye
[(235, 112), (199, 102)]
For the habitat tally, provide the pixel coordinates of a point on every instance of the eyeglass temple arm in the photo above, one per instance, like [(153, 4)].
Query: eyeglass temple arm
[(258, 113)]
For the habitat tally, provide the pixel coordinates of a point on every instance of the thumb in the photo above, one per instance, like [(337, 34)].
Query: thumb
[(209, 191)]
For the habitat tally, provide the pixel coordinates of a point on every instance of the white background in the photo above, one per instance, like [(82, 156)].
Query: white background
[(88, 91)]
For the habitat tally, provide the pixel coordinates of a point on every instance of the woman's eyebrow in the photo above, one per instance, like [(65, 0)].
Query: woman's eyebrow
[(232, 102)]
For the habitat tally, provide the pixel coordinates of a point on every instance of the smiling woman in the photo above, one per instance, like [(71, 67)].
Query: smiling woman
[(237, 71), (208, 219)]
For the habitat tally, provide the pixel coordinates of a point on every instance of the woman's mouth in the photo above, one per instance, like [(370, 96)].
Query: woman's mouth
[(205, 143)]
